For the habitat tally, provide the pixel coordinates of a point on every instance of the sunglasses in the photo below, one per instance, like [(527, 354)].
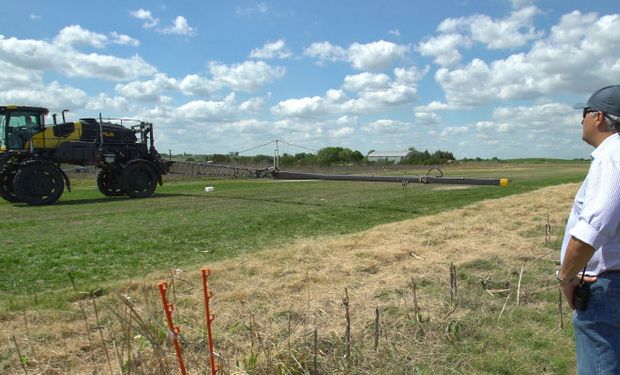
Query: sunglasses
[(588, 110)]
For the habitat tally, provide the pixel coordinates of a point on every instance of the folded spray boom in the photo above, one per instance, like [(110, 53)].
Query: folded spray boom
[(426, 179), (218, 170)]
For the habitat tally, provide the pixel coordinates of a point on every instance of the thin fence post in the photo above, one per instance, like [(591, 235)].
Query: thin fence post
[(209, 318), (347, 332), (315, 355), (560, 308), (453, 286), (519, 287), (377, 328), (174, 330)]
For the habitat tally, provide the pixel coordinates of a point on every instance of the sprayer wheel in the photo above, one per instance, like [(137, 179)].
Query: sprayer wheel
[(109, 182), (38, 184), (139, 180), (7, 175)]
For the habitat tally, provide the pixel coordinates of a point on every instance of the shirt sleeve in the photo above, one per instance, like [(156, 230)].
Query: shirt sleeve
[(599, 219)]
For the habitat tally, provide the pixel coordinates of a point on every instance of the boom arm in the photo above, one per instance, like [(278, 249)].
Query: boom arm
[(217, 170), (426, 179)]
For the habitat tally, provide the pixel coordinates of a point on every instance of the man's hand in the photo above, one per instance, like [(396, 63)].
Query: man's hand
[(569, 288)]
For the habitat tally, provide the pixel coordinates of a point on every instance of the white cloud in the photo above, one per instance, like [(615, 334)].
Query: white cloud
[(179, 26), (372, 100), (508, 32), (347, 120), (106, 67), (76, 35), (107, 104), (54, 96), (272, 50), (335, 96), (451, 131), (15, 77), (247, 76), (259, 8), (147, 91), (385, 127), (252, 105), (325, 51), (444, 48), (513, 127), (123, 39), (370, 56), (304, 107), (374, 92), (410, 76), (343, 132), (62, 57), (376, 55), (434, 106), (559, 63), (511, 32), (194, 84), (203, 110), (365, 82), (146, 16), (427, 118)]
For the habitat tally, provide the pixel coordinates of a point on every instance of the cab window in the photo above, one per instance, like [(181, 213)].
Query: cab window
[(24, 120), (21, 126), (3, 142)]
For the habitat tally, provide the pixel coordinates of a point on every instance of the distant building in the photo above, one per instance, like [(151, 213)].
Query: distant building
[(389, 156)]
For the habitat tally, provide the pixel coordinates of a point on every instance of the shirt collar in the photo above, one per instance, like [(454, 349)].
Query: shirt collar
[(607, 144)]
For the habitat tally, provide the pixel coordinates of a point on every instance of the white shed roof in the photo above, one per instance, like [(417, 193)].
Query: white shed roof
[(387, 154)]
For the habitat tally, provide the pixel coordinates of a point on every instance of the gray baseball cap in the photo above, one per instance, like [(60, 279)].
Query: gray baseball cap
[(606, 100)]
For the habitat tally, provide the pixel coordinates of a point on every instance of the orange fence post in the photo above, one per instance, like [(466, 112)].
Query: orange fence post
[(174, 331), (209, 318)]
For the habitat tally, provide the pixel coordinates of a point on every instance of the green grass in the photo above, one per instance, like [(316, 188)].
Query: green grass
[(101, 240)]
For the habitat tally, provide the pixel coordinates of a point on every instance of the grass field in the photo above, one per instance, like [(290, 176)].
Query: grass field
[(115, 244), (102, 240)]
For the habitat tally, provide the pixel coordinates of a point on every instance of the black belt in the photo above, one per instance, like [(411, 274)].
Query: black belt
[(609, 272)]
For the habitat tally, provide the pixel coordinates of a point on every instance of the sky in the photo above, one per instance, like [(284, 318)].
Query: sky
[(478, 78)]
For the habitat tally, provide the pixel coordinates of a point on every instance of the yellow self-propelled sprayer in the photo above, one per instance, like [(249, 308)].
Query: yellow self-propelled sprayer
[(31, 154)]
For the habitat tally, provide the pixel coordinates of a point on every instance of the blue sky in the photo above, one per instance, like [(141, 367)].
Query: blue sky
[(479, 78)]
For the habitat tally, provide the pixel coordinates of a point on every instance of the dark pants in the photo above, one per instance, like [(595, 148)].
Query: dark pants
[(597, 328)]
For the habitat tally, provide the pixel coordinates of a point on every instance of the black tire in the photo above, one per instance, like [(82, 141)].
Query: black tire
[(38, 184), (7, 175), (109, 182), (138, 180)]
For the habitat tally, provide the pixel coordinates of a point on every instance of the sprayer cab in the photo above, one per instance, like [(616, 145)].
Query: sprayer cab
[(18, 124)]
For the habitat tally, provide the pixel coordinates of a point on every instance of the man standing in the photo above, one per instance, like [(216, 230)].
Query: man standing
[(592, 241)]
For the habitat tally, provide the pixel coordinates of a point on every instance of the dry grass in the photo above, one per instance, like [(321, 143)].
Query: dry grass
[(268, 304)]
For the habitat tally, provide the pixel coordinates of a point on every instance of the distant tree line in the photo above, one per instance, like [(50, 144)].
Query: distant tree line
[(328, 156), (416, 157)]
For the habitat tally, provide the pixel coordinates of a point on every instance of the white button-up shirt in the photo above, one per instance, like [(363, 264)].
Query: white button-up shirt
[(595, 216)]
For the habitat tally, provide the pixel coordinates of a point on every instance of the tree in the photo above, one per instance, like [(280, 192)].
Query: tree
[(338, 155)]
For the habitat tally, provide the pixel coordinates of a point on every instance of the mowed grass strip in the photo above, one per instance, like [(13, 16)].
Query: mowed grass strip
[(100, 240)]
